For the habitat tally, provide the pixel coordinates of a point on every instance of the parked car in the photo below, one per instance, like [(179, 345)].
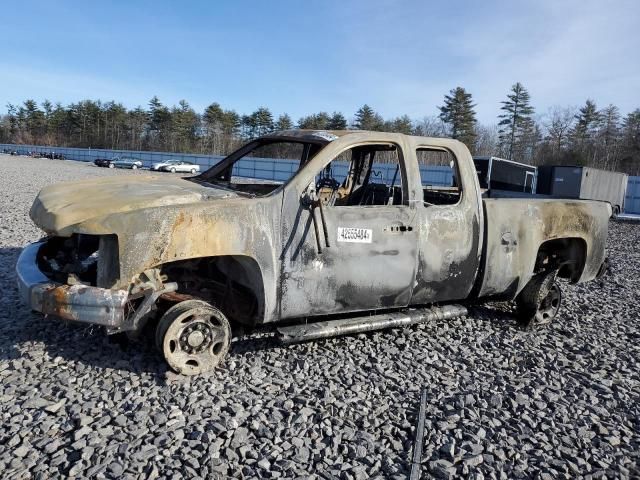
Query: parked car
[(125, 162), (334, 249), (53, 156), (174, 166), (102, 162)]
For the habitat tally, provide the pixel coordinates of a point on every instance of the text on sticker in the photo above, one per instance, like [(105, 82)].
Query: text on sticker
[(354, 235)]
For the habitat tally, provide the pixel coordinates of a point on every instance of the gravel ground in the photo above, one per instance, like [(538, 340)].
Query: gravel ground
[(563, 402)]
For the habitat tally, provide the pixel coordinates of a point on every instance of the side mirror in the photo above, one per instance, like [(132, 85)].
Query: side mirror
[(309, 197)]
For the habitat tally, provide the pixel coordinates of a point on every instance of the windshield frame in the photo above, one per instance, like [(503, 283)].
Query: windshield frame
[(208, 176)]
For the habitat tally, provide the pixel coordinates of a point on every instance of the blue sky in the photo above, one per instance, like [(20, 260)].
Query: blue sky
[(302, 57)]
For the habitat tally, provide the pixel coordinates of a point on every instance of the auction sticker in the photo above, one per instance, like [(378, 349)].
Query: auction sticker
[(354, 235)]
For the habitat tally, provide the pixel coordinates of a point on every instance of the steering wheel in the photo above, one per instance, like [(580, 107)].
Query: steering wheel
[(328, 182)]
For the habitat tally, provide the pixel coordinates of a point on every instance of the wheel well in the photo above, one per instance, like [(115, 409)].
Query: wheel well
[(232, 283), (567, 255)]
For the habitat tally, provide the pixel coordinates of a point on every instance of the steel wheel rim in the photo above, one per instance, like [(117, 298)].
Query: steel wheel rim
[(549, 306), (195, 342)]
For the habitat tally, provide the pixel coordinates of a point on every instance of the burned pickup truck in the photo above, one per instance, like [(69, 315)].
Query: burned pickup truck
[(357, 235)]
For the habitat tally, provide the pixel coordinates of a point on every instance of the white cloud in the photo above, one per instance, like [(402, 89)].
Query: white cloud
[(399, 58), (563, 52)]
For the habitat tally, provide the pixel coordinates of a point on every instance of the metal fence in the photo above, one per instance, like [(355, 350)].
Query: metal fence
[(90, 154), (632, 201), (260, 168), (274, 169)]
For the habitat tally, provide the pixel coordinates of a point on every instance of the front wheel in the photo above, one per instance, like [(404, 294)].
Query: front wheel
[(134, 167), (172, 169), (193, 337), (193, 171), (539, 302), (111, 165)]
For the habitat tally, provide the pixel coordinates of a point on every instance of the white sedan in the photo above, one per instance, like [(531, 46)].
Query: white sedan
[(174, 166)]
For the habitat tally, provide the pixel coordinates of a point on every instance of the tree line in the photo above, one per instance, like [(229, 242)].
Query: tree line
[(588, 135)]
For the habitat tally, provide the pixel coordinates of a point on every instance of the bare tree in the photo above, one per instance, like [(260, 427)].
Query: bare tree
[(558, 124), (487, 140), (430, 127)]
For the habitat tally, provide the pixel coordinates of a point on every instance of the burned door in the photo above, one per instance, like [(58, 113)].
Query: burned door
[(351, 243), (450, 228)]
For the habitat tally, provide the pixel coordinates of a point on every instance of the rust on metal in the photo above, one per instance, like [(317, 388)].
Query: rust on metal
[(258, 253)]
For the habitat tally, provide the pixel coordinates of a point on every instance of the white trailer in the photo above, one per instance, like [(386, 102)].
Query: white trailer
[(584, 183)]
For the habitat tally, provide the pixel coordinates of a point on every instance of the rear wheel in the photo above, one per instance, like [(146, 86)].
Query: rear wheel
[(193, 337), (111, 165), (172, 169), (193, 171), (616, 211), (539, 302), (134, 167)]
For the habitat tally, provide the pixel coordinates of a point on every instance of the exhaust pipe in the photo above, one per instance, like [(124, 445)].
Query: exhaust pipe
[(349, 326)]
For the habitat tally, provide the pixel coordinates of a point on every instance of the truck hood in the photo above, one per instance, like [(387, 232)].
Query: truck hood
[(66, 204)]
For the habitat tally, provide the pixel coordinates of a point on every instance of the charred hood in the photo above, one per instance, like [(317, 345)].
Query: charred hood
[(66, 204)]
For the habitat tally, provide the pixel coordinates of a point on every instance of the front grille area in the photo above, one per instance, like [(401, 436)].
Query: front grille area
[(80, 259)]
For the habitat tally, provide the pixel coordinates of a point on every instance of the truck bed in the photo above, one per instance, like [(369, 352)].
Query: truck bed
[(516, 229)]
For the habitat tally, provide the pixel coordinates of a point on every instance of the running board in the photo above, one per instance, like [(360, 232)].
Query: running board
[(349, 326)]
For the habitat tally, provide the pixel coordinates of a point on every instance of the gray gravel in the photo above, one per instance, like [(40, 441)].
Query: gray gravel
[(563, 402)]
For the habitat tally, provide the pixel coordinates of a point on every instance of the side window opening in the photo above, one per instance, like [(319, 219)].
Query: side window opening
[(439, 175), (365, 175), (268, 162)]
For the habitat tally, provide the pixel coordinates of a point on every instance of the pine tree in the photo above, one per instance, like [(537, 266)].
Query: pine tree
[(587, 120), (212, 119), (631, 142), (261, 122), (35, 122), (230, 123), (584, 132), (315, 121), (631, 129), (337, 122), (284, 122), (213, 116), (136, 121), (458, 113), (367, 119), (158, 124), (184, 122), (516, 120), (402, 124)]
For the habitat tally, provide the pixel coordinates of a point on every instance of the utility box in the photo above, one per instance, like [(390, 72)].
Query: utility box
[(506, 175), (584, 183)]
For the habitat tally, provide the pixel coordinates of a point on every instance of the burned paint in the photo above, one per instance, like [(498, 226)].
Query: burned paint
[(266, 256)]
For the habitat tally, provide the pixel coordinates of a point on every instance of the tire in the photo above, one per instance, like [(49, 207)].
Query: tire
[(193, 171), (172, 169), (616, 211), (134, 167), (193, 336), (539, 301), (111, 165)]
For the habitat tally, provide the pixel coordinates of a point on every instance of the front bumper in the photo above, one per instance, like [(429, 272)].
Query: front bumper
[(80, 303)]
